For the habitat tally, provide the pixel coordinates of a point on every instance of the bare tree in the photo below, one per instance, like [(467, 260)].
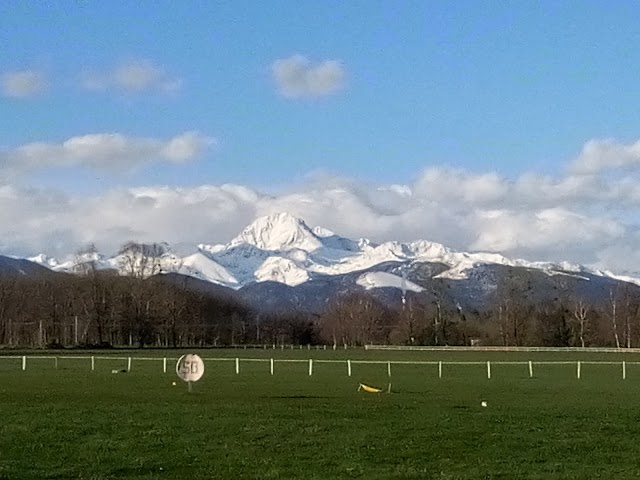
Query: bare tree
[(7, 300), (96, 302), (512, 307), (629, 313), (142, 260), (440, 319), (356, 320), (613, 304), (580, 317), (86, 260), (411, 326)]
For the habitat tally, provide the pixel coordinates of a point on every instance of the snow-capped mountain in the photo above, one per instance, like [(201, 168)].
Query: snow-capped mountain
[(282, 248), (279, 263), (279, 232)]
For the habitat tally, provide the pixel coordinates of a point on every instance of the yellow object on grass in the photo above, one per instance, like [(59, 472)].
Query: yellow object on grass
[(369, 389)]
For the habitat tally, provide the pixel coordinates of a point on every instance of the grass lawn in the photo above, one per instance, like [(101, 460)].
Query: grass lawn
[(72, 422)]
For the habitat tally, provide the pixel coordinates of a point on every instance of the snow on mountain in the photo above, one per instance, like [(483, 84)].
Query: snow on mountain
[(336, 242), (201, 266), (283, 248), (282, 270), (281, 231), (45, 261), (241, 259), (622, 278), (73, 263), (371, 280)]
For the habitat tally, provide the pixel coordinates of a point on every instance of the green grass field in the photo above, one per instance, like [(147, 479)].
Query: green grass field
[(72, 422)]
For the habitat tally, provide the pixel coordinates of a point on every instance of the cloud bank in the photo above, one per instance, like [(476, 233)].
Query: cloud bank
[(587, 218), (297, 76)]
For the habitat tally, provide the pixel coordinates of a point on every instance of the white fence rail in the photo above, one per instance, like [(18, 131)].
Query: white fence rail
[(426, 348), (92, 361)]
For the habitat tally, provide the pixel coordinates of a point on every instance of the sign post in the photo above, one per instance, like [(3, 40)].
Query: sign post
[(190, 368)]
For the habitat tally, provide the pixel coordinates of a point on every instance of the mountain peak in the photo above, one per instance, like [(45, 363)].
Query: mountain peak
[(279, 232), (282, 248)]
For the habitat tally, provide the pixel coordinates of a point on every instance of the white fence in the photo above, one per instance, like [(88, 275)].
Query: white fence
[(163, 362), (425, 348)]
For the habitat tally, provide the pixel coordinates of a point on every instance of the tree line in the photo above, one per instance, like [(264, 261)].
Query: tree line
[(102, 309), (138, 306)]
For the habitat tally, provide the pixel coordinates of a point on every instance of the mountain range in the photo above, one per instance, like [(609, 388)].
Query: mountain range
[(279, 262)]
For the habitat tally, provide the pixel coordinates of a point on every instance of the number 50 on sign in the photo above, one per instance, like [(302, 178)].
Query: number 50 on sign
[(190, 368)]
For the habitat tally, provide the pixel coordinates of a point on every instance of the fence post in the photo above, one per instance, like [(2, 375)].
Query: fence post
[(272, 366), (237, 366), (310, 367), (164, 365), (349, 367), (578, 371), (93, 363), (24, 362), (56, 363), (624, 370), (530, 369), (488, 369), (389, 368), (129, 364)]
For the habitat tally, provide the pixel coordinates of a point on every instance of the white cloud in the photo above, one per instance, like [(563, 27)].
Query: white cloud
[(132, 77), (103, 151), (602, 155), (23, 84), (297, 76), (622, 256), (185, 147), (534, 231), (445, 184), (33, 221), (587, 219)]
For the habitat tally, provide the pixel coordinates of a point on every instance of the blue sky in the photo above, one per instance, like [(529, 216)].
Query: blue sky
[(511, 89)]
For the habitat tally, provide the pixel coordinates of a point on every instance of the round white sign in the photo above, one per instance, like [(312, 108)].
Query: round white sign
[(190, 368)]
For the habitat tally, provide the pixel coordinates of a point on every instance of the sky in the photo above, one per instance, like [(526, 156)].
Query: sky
[(508, 127)]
